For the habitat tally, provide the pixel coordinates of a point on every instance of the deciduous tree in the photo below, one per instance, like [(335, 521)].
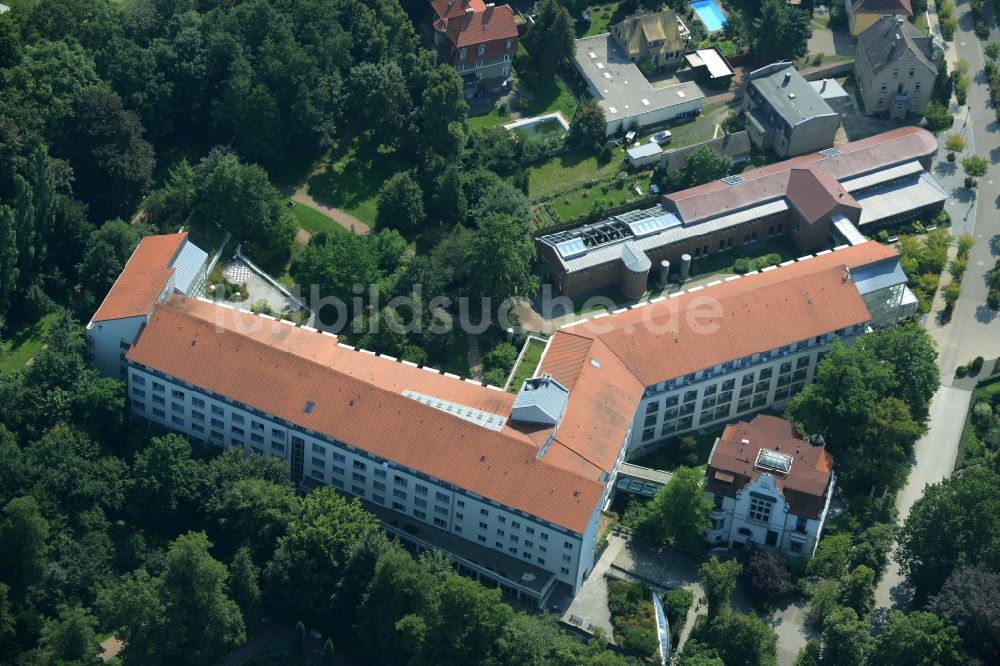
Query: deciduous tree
[(917, 639), (719, 580), (401, 204), (679, 512), (704, 165)]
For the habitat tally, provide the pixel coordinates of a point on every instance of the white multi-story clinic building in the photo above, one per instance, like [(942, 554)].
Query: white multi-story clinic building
[(511, 487)]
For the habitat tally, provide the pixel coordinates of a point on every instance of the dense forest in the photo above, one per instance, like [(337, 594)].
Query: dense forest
[(167, 114), (122, 119)]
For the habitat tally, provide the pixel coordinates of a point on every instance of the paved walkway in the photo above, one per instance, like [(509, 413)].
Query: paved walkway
[(934, 456), (338, 215), (591, 603)]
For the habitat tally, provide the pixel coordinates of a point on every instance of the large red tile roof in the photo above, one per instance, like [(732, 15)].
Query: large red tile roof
[(452, 8), (735, 455), (490, 24), (755, 313), (804, 178), (143, 279), (357, 400)]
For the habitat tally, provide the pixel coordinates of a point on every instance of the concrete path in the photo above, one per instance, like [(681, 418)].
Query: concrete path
[(793, 633), (934, 456), (974, 329), (698, 608), (591, 603), (340, 216)]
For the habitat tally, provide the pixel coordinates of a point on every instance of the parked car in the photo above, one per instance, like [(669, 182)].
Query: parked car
[(663, 137)]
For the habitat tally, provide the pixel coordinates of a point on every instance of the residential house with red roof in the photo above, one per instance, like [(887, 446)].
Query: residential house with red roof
[(769, 487), (478, 39)]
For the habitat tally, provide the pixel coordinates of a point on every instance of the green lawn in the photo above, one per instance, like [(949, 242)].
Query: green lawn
[(353, 180), (491, 119), (689, 132), (970, 449), (550, 96), (24, 343), (722, 262), (528, 365), (314, 221), (571, 167), (601, 17), (577, 204), (458, 360)]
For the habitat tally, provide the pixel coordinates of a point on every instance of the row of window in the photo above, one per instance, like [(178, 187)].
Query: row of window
[(481, 50), (319, 463)]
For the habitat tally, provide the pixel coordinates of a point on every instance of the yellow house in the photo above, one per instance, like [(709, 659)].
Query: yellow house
[(862, 14)]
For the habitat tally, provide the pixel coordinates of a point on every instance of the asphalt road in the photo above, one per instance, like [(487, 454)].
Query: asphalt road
[(974, 329)]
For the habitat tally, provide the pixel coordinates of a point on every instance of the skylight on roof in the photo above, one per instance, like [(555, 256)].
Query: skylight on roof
[(645, 102), (830, 152), (592, 55), (611, 108), (600, 65), (774, 461), (733, 180), (680, 93), (607, 75), (472, 415), (309, 407), (571, 248)]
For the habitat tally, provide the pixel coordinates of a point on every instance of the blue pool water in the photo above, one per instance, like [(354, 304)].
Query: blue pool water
[(710, 14)]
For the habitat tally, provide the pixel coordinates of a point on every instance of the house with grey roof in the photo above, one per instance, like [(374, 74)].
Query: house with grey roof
[(786, 114), (895, 68)]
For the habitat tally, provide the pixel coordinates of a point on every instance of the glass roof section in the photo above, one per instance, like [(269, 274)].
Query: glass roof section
[(774, 461), (477, 416)]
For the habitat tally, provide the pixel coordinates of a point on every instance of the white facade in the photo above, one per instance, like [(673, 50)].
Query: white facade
[(110, 339), (759, 516), (734, 389), (211, 418)]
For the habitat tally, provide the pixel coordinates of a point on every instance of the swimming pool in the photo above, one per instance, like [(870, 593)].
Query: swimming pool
[(709, 14), (540, 125)]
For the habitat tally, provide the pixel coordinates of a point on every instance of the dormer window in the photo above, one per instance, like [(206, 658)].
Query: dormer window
[(461, 54), (481, 49), (509, 43)]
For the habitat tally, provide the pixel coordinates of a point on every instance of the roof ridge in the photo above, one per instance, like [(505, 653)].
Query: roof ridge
[(340, 373)]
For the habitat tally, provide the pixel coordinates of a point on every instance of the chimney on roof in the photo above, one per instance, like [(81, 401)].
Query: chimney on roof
[(788, 77), (822, 86), (469, 11), (744, 442)]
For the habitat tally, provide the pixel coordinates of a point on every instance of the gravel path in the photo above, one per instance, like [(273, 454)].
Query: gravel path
[(340, 216)]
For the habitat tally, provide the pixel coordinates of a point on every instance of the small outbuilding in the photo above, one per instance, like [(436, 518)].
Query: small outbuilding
[(710, 63), (643, 154), (833, 94)]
